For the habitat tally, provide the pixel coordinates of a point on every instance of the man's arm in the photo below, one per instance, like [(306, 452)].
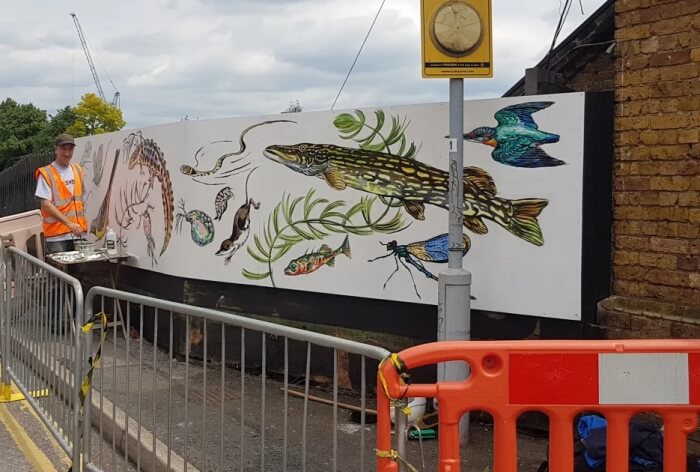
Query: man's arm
[(51, 209)]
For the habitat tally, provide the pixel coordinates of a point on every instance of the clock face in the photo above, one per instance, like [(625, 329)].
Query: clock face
[(456, 28)]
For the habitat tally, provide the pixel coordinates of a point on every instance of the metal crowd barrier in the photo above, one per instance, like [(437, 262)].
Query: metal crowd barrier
[(225, 393), (40, 343), (188, 388), (616, 378)]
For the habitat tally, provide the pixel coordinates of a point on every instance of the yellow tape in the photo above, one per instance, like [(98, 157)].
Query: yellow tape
[(6, 392), (400, 367), (393, 455), (94, 361)]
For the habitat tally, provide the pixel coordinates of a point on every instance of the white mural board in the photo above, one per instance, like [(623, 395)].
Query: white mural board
[(510, 274)]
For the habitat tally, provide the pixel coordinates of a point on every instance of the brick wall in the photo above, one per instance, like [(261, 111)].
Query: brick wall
[(657, 161), (596, 75)]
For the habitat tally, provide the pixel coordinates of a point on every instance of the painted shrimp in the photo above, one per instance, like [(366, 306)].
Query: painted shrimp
[(146, 153)]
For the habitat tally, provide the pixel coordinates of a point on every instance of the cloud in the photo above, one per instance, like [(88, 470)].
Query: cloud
[(216, 58)]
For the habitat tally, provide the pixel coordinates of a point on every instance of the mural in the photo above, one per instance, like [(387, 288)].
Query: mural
[(516, 140), (98, 226), (211, 148), (241, 226), (201, 225), (221, 202), (146, 154), (307, 190), (311, 262), (433, 250)]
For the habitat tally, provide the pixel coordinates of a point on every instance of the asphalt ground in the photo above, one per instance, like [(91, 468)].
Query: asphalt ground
[(26, 445), (242, 426)]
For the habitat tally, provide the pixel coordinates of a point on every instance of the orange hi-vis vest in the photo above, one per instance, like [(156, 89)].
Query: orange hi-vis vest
[(71, 205)]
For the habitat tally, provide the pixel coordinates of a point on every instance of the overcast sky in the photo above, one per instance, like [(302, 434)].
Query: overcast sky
[(222, 58)]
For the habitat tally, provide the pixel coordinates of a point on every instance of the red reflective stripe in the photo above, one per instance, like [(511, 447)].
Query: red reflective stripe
[(694, 378), (553, 379)]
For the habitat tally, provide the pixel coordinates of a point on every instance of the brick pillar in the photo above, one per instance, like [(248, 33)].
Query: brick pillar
[(657, 153)]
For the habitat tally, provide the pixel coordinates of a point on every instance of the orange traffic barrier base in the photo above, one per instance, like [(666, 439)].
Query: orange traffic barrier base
[(617, 378)]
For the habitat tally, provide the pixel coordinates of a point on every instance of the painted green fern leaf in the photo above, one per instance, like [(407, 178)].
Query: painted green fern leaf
[(311, 218), (375, 139)]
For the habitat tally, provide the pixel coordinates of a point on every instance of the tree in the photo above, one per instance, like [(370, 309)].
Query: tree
[(95, 116), (20, 125), (293, 107), (58, 123)]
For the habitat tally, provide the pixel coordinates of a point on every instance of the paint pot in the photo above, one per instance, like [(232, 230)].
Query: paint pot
[(417, 406), (111, 242)]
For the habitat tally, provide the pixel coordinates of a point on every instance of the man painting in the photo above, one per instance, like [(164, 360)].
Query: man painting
[(60, 187)]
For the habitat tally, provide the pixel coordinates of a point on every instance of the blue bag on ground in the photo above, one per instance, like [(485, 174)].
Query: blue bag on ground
[(645, 447), (645, 443)]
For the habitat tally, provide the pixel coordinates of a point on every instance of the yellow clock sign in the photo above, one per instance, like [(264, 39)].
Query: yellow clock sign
[(456, 38)]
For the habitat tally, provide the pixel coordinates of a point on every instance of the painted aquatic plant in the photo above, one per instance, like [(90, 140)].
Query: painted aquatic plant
[(292, 222), (309, 218), (351, 126)]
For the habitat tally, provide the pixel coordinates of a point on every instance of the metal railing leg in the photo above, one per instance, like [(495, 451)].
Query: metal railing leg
[(87, 406), (401, 429), (6, 278)]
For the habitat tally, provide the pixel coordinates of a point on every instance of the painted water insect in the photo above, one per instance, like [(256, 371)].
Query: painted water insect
[(414, 183), (201, 225), (98, 226), (146, 153), (324, 256), (221, 202), (241, 227), (517, 140), (202, 151), (148, 232), (87, 153), (432, 250), (98, 167)]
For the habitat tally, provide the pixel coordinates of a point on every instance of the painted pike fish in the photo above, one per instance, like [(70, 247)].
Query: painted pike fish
[(310, 262), (414, 183)]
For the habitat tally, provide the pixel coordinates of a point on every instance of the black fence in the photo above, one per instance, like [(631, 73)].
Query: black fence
[(17, 184)]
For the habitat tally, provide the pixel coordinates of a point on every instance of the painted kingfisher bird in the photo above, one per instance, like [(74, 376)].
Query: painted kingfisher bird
[(517, 139)]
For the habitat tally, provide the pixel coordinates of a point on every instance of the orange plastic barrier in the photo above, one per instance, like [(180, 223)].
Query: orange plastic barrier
[(560, 378)]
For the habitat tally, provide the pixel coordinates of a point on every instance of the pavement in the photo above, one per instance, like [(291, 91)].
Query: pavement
[(213, 418), (26, 445), (242, 425)]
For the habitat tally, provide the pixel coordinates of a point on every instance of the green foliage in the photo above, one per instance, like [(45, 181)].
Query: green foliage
[(58, 123), (307, 218), (19, 126), (95, 116), (350, 127)]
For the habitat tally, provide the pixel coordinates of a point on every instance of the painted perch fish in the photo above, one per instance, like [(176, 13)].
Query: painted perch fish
[(413, 182), (324, 256)]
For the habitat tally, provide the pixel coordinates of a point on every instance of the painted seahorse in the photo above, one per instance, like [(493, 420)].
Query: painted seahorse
[(146, 153)]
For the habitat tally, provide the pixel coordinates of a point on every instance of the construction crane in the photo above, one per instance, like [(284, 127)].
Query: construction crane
[(115, 100)]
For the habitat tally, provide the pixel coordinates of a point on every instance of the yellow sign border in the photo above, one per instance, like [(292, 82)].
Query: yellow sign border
[(435, 63)]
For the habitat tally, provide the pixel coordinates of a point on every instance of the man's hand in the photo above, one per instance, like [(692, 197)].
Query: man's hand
[(75, 229), (49, 207)]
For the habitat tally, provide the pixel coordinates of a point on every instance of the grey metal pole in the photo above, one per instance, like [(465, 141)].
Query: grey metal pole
[(401, 430), (6, 281), (454, 284)]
